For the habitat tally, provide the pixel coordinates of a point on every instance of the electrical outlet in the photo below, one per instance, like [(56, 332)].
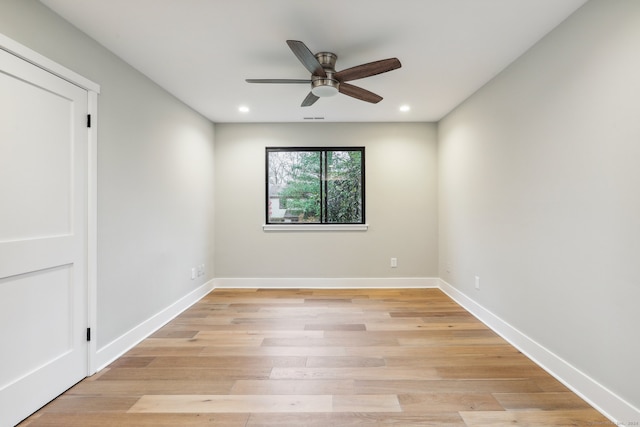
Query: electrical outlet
[(394, 262), (477, 282), (193, 273)]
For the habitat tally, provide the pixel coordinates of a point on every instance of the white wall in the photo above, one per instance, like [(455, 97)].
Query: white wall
[(155, 175), (401, 197), (539, 194)]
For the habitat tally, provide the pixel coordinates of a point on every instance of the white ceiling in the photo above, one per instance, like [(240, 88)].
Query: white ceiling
[(201, 51)]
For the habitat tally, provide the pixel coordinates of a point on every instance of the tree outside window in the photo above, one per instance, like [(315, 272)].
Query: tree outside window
[(315, 185)]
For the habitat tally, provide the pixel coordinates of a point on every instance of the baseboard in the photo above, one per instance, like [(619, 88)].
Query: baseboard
[(604, 400), (127, 341), (328, 283)]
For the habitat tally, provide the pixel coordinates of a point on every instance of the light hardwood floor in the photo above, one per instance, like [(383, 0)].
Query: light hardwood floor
[(402, 357)]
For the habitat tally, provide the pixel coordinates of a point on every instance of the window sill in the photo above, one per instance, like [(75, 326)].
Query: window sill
[(315, 227)]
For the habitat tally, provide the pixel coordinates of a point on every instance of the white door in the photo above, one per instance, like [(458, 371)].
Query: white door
[(43, 237)]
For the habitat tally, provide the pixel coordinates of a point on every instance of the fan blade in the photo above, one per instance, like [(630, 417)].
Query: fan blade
[(309, 100), (304, 55), (366, 70), (284, 81), (359, 93)]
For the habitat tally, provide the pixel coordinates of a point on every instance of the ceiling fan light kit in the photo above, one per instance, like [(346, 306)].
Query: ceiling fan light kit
[(324, 87), (325, 81)]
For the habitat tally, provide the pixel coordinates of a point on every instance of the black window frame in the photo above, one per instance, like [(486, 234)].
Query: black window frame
[(323, 183)]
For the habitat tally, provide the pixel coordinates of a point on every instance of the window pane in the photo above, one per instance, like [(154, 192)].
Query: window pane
[(317, 185), (344, 187), (294, 186)]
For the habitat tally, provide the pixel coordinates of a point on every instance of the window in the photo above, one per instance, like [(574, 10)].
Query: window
[(315, 185)]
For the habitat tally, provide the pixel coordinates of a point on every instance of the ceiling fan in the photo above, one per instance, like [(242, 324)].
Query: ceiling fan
[(325, 81)]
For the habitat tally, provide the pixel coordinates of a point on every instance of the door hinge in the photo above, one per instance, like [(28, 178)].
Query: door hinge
[(88, 120), (88, 334)]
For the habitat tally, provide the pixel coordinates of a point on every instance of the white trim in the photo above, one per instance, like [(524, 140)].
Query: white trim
[(130, 339), (604, 400), (92, 231), (328, 283), (315, 227), (33, 57)]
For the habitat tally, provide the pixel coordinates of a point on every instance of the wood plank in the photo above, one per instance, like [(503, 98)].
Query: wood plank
[(486, 372), (267, 351), (208, 374), (233, 340), (95, 419), (233, 325), (223, 336), (233, 403), (358, 419), (332, 387), (457, 361), (422, 352), (142, 351), (430, 337), (452, 340), (152, 386), (585, 417), (173, 333), (70, 403), (132, 362), (445, 386), (335, 327), (344, 362), (448, 402), (540, 401), (226, 362), (550, 384), (355, 341), (421, 325), (355, 373), (366, 403)]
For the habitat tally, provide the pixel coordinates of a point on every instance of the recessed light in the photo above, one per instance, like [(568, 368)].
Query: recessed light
[(243, 109), (405, 108)]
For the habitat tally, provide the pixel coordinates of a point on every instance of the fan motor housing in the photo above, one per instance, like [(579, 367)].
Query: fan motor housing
[(327, 60), (325, 86)]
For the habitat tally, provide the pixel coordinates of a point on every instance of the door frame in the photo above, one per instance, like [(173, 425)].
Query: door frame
[(93, 90)]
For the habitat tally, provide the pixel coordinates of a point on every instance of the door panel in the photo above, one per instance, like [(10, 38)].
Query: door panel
[(35, 159), (43, 237), (39, 302)]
